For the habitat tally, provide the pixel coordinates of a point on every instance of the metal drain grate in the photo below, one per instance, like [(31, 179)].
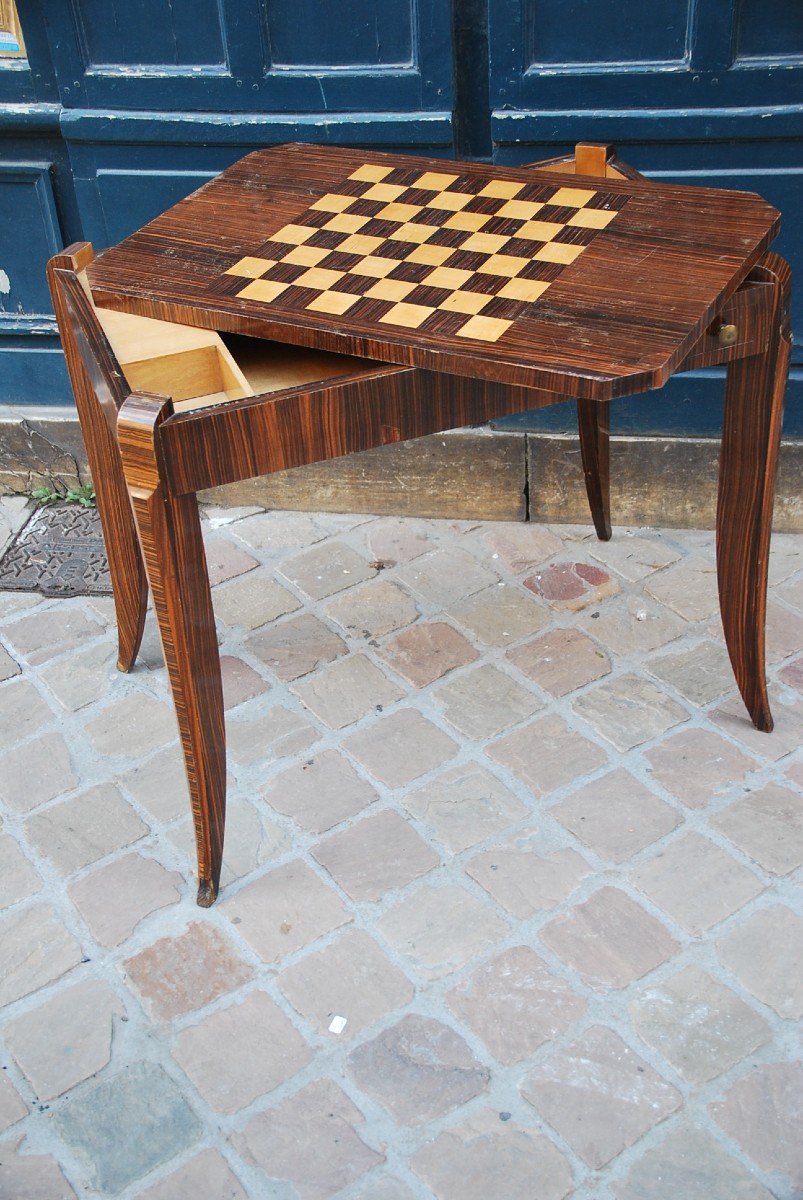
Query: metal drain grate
[(59, 552)]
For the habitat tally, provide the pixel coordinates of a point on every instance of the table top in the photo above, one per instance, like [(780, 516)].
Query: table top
[(580, 286)]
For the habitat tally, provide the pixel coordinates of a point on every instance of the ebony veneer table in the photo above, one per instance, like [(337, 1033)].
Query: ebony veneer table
[(460, 292)]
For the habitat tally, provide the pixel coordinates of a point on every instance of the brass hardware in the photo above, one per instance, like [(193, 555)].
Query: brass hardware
[(726, 335)]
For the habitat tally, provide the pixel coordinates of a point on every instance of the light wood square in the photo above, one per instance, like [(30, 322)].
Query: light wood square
[(433, 181), (524, 289), (384, 191), (451, 201), (447, 277), (360, 243), (369, 173), (539, 231), (346, 223), (319, 278), (293, 234), (390, 289), (503, 264), (501, 189), (520, 210), (488, 243), (332, 202), (572, 197), (399, 212), (409, 315), (306, 256), (463, 220), (333, 302), (591, 218), (374, 266), (486, 329), (435, 256), (263, 289), (251, 268), (557, 252), (413, 233), (465, 302)]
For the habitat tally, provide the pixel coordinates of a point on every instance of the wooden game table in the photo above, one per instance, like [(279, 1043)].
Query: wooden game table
[(460, 292)]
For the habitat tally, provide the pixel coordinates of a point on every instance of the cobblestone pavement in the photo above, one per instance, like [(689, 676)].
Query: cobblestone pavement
[(508, 904)]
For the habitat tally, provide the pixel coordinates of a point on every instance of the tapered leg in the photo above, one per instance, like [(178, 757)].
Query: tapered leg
[(170, 532), (748, 462), (593, 420)]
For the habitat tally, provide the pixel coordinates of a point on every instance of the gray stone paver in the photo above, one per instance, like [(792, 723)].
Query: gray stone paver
[(533, 928)]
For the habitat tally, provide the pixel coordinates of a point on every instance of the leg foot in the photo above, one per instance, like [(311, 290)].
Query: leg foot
[(593, 420)]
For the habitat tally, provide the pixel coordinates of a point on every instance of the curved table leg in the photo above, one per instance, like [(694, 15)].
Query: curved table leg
[(593, 421), (170, 532), (751, 436)]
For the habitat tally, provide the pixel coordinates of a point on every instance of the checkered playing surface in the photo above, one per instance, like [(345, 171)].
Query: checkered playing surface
[(443, 253)]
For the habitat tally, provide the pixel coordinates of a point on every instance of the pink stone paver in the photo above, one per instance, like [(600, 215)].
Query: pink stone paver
[(425, 652), (763, 1113), (571, 586), (178, 975)]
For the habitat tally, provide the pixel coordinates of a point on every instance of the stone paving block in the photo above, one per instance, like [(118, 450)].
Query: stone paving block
[(376, 855), (440, 929), (240, 681), (485, 701), (700, 673), (47, 633), (763, 1113), (251, 840), (547, 754), (341, 693), (487, 1159), (425, 652), (444, 576), (18, 878), (142, 1098), (609, 940), (699, 1026), (37, 950), (691, 1165), (22, 712), (401, 747), (599, 1095), (114, 899), (418, 1069), (77, 832), (372, 610), (570, 586), (632, 625), (178, 975), (765, 952), (9, 667), (278, 732), (397, 539), (285, 910), (132, 725), (696, 882), (159, 785), (253, 600), (326, 569), (35, 772), (633, 557), (520, 547), (514, 1004), (278, 532), (465, 805), (768, 826), (226, 560), (65, 1040), (206, 1174), (697, 765), (561, 661), (309, 1142), (524, 881), (31, 1176), (319, 792), (84, 676), (241, 1052), (792, 674), (616, 816), (12, 1109), (350, 979), (295, 647), (628, 711), (787, 735), (499, 615), (689, 588)]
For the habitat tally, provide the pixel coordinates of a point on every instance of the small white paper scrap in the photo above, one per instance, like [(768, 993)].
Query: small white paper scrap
[(338, 1024)]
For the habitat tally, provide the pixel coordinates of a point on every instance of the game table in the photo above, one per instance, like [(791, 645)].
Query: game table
[(458, 292)]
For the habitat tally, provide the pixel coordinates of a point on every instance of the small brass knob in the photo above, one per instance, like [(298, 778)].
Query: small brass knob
[(726, 335)]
